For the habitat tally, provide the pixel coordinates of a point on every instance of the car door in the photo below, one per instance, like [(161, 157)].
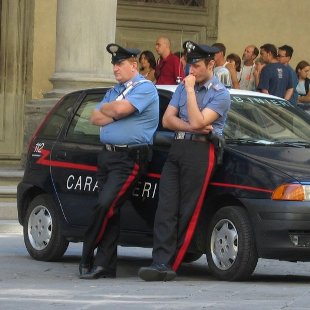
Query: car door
[(74, 163), (144, 198)]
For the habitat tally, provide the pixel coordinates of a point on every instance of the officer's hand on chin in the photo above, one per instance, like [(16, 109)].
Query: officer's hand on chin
[(189, 82)]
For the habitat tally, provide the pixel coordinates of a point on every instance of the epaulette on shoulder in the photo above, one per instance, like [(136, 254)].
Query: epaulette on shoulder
[(218, 86), (141, 81)]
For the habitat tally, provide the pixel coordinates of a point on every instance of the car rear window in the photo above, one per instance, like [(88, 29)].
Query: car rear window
[(56, 119), (81, 129)]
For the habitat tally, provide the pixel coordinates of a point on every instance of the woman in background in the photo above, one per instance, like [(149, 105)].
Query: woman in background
[(233, 65), (147, 65), (302, 71)]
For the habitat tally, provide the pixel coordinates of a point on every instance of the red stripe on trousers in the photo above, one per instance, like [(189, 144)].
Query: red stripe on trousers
[(110, 212), (193, 222)]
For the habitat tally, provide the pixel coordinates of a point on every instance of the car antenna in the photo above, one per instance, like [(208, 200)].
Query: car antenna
[(179, 79)]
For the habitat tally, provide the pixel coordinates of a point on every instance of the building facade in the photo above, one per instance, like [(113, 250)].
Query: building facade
[(50, 47)]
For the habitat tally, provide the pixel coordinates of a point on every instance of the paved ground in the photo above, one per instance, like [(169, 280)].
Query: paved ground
[(29, 284)]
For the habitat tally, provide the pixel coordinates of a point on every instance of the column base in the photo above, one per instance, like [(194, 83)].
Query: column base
[(65, 83)]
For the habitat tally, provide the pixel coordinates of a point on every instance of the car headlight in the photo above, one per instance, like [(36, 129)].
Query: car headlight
[(292, 191)]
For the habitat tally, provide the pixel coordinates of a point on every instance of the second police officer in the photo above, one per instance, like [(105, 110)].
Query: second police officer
[(199, 105)]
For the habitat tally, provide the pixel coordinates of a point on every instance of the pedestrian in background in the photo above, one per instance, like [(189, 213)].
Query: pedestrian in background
[(247, 76), (275, 78), (147, 65), (302, 71), (285, 53), (169, 70)]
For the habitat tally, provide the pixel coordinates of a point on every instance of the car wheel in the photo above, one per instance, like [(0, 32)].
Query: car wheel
[(231, 250), (191, 257), (42, 235)]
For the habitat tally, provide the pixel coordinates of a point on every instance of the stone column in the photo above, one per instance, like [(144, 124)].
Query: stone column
[(84, 28)]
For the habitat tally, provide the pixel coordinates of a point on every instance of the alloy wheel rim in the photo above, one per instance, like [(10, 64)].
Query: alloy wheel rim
[(224, 244), (40, 227)]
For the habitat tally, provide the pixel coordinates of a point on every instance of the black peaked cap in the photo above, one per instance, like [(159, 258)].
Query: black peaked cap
[(120, 53), (195, 52)]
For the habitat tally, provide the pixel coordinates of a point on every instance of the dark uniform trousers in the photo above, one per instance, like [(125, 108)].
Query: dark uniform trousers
[(182, 189), (118, 172)]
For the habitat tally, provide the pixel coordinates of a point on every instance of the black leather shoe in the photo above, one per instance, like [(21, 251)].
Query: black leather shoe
[(84, 268), (157, 272), (87, 266), (98, 272)]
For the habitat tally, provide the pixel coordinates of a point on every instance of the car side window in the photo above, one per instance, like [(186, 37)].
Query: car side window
[(58, 116), (81, 129)]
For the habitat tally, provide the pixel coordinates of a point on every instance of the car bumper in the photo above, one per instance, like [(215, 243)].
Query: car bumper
[(22, 199), (282, 228)]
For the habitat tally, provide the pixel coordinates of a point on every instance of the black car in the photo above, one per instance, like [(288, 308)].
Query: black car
[(257, 204)]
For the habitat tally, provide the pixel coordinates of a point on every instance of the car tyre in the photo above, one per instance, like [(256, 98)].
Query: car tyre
[(231, 249), (42, 233)]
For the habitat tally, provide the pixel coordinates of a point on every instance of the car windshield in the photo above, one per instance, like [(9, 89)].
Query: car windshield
[(265, 120)]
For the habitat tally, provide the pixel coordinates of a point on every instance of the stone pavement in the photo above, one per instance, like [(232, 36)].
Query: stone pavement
[(10, 227), (29, 284)]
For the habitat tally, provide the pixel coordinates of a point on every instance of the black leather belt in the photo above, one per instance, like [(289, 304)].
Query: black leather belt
[(116, 148), (124, 147), (191, 136)]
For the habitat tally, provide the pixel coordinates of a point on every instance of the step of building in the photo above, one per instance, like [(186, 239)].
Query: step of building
[(9, 179), (8, 191), (8, 210), (11, 175)]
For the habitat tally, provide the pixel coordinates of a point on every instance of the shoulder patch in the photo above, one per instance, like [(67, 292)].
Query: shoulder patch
[(141, 81), (218, 86)]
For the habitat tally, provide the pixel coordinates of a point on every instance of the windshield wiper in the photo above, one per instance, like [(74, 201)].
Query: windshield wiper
[(300, 144), (292, 143), (248, 142)]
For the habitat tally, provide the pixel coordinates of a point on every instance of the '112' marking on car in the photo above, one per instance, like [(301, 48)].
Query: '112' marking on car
[(38, 148)]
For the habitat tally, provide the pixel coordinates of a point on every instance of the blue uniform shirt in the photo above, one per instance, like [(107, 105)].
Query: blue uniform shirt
[(139, 127), (212, 95)]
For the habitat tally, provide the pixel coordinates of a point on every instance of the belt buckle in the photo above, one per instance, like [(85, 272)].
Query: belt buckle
[(123, 146), (180, 135)]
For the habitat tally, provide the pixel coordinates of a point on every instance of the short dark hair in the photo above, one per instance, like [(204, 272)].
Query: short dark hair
[(236, 59), (268, 47), (255, 50), (288, 50), (208, 59), (221, 47)]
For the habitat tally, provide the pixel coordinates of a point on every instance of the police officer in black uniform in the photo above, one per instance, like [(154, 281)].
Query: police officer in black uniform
[(198, 106), (128, 117)]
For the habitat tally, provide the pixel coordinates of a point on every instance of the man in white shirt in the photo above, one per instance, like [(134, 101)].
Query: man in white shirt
[(246, 75), (220, 69)]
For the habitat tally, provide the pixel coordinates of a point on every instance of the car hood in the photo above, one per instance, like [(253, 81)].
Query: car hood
[(292, 161)]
